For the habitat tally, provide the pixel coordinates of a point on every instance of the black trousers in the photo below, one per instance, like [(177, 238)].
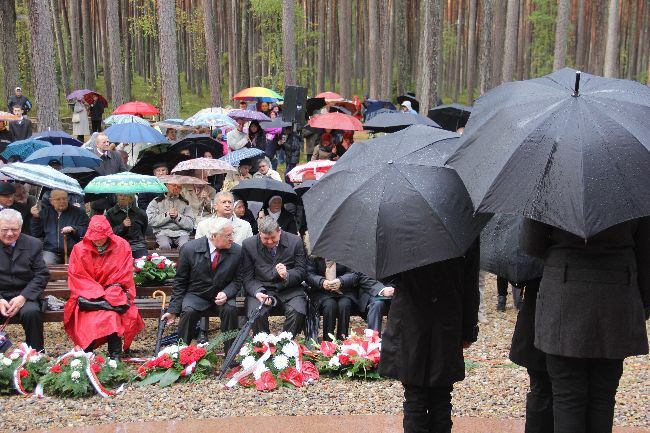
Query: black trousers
[(31, 318), (189, 316), (96, 125), (427, 410), (375, 312), (333, 310), (584, 393), (539, 403), (294, 321)]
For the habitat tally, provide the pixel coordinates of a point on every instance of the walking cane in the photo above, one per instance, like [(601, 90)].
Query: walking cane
[(65, 248), (161, 322)]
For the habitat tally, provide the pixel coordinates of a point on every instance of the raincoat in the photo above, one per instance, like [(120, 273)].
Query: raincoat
[(89, 274)]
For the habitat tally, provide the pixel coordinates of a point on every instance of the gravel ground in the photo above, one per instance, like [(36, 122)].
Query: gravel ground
[(493, 388)]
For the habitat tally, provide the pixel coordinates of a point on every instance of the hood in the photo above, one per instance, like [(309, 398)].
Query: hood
[(99, 228)]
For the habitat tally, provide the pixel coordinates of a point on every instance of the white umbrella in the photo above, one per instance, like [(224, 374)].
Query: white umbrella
[(42, 175)]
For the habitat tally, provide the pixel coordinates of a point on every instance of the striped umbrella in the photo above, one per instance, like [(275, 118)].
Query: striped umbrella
[(118, 119), (125, 183), (261, 94), (24, 148), (233, 158), (42, 175)]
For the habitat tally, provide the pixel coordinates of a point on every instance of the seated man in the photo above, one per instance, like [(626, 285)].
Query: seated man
[(273, 264), (171, 218), (224, 208), (374, 300), (130, 223), (101, 269), (57, 223), (23, 277), (206, 280)]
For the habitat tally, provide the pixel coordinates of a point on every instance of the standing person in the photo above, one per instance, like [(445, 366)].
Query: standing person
[(112, 163), (19, 100), (80, 126), (406, 108), (171, 218), (339, 149), (20, 129), (312, 136), (324, 149), (130, 223), (23, 277), (233, 179), (432, 319), (97, 107), (237, 138), (593, 301), (291, 143), (502, 291), (101, 269)]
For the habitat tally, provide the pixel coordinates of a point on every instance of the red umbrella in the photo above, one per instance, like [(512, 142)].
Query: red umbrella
[(336, 121), (330, 96), (137, 108)]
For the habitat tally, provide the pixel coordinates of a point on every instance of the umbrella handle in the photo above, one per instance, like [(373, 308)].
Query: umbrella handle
[(65, 248), (160, 293)]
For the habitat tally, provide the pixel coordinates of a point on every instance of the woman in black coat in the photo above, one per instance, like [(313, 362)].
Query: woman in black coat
[(433, 316), (243, 212), (335, 298), (593, 301), (275, 210)]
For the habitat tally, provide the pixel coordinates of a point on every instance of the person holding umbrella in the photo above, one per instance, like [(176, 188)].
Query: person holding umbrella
[(237, 138), (80, 126), (97, 107)]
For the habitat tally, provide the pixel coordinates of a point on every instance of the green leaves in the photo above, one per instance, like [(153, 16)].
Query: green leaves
[(169, 377)]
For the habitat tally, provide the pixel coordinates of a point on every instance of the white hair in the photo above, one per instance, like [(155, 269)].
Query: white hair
[(267, 225), (11, 215), (216, 225)]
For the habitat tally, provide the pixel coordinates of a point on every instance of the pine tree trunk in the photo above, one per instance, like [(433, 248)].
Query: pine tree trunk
[(235, 34), (597, 48), (345, 55), (471, 52), (63, 61), (459, 51), (386, 55), (430, 44), (9, 48), (214, 74), (105, 51), (75, 47), (562, 22), (288, 43), (580, 36), (611, 50), (485, 55), (322, 28), (126, 43), (43, 70), (114, 52), (244, 80), (499, 40), (89, 69), (401, 45), (169, 91), (521, 40), (510, 45), (373, 49)]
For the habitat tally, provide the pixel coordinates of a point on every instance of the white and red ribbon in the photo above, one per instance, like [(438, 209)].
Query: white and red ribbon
[(245, 372), (77, 352), (25, 352)]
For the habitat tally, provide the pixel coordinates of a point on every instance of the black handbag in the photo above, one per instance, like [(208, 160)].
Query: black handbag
[(102, 304)]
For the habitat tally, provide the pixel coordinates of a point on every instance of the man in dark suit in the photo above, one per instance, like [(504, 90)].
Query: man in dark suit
[(21, 129), (374, 300), (274, 265), (112, 163), (23, 277), (206, 281)]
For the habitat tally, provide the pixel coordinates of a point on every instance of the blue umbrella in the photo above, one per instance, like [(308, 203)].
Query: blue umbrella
[(24, 148), (57, 137), (118, 119), (134, 133), (233, 158), (68, 156)]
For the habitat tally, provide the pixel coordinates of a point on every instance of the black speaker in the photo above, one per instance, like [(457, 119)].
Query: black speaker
[(295, 101)]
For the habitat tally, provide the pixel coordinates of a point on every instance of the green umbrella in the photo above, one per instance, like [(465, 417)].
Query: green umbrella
[(125, 183)]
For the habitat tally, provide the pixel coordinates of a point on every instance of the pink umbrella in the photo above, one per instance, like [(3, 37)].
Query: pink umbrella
[(330, 96), (175, 179), (336, 121), (209, 166), (318, 167)]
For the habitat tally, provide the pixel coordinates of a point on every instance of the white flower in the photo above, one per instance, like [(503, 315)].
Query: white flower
[(290, 350), (14, 356), (168, 262), (79, 354), (154, 255), (369, 333), (139, 264), (280, 362), (259, 370), (75, 375), (272, 339), (244, 351), (174, 355), (285, 336), (334, 362), (35, 358), (169, 349), (75, 363), (112, 363), (6, 361), (247, 362), (349, 373), (260, 338)]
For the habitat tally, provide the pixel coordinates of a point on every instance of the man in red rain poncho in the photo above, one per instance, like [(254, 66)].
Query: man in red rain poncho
[(101, 267)]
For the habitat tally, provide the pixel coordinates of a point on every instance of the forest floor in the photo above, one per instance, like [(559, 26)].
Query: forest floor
[(494, 388)]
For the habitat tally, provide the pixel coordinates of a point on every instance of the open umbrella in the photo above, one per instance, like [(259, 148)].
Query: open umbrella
[(390, 205), (83, 175), (330, 96), (415, 104), (41, 175), (68, 156), (8, 117), (212, 120), (117, 119), (316, 166), (155, 154), (373, 114), (569, 152), (177, 179), (24, 148), (263, 188), (233, 158), (198, 144), (275, 123), (209, 166), (391, 122), (372, 105), (134, 133), (138, 108), (57, 137), (217, 110), (261, 94), (336, 121), (249, 115), (501, 253), (450, 116), (86, 95), (314, 104), (125, 183), (304, 186)]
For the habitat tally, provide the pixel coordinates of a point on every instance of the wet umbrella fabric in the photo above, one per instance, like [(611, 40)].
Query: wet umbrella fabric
[(415, 104), (198, 144), (41, 175), (501, 253), (339, 121), (137, 108), (118, 119), (24, 148), (149, 158), (235, 157), (125, 183), (391, 122), (134, 133), (275, 123), (68, 156), (578, 163), (451, 116), (209, 166), (57, 137), (263, 188), (249, 115), (303, 187), (390, 205), (373, 114)]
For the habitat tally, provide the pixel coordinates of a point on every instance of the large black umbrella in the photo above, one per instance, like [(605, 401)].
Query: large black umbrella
[(501, 253), (304, 186), (148, 160), (391, 122), (390, 204), (198, 144), (573, 157), (314, 104), (373, 114), (263, 188), (450, 116)]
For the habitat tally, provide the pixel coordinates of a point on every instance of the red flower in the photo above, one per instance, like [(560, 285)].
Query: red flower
[(100, 359), (233, 371), (247, 381), (309, 371), (137, 270), (65, 361), (149, 257), (142, 371), (167, 364), (185, 359), (327, 348), (199, 353), (56, 368), (344, 359), (160, 265), (23, 372), (266, 382), (150, 364), (292, 376), (96, 368)]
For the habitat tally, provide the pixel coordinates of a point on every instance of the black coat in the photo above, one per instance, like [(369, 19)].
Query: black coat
[(434, 309), (195, 285), (25, 213), (23, 272), (292, 148), (316, 277), (135, 234), (21, 129), (49, 226), (523, 351), (594, 297)]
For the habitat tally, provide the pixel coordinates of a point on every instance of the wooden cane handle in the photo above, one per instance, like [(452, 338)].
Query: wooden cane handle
[(159, 293)]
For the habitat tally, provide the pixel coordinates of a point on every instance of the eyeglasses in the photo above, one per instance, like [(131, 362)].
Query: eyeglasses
[(9, 230)]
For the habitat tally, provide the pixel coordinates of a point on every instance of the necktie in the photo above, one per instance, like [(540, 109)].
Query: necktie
[(273, 251), (215, 261)]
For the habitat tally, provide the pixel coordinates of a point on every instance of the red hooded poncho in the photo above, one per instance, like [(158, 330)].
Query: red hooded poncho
[(88, 274)]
